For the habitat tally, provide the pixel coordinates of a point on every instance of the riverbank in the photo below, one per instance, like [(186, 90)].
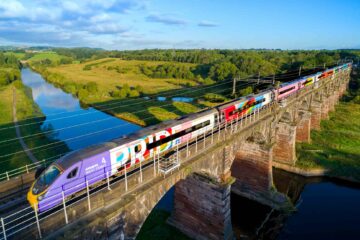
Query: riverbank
[(29, 119), (122, 89), (335, 149)]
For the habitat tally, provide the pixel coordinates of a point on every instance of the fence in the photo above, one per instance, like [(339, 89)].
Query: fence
[(27, 218), (17, 222)]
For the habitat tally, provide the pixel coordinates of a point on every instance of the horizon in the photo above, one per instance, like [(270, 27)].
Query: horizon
[(144, 24)]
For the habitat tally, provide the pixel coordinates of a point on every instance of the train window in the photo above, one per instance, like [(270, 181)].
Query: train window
[(287, 90), (307, 81), (137, 148), (72, 173), (177, 135)]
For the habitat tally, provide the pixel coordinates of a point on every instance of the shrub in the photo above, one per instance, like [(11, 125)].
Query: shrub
[(70, 87), (92, 87), (134, 93), (126, 87), (190, 84), (139, 88), (18, 84), (246, 91), (119, 93), (82, 93), (212, 97), (87, 68)]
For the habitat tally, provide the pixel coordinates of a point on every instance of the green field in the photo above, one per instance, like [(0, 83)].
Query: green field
[(18, 55), (104, 72), (53, 56), (155, 227), (337, 146), (109, 75), (25, 109)]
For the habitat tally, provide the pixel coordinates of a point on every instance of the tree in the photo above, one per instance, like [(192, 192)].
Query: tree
[(246, 91), (92, 87), (134, 93), (82, 94), (222, 71)]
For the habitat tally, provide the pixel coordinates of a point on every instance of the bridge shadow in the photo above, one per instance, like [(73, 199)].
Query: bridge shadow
[(149, 109), (44, 146)]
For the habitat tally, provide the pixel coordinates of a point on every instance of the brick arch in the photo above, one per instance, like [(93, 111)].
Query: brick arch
[(317, 96), (304, 105), (287, 116)]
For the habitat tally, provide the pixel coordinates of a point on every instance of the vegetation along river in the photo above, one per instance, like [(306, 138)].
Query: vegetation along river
[(67, 120), (324, 209)]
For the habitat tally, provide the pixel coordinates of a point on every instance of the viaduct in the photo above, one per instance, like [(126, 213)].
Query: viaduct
[(237, 159)]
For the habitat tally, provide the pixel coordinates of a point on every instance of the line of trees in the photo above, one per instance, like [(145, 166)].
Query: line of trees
[(9, 69)]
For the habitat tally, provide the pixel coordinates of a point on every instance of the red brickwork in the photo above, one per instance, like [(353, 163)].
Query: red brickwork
[(284, 148), (315, 115), (303, 127), (202, 208), (252, 168), (325, 109)]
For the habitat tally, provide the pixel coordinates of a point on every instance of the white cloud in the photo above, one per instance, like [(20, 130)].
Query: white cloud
[(165, 19), (205, 23), (11, 9)]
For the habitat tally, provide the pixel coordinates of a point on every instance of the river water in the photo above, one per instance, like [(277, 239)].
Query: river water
[(71, 123), (324, 210)]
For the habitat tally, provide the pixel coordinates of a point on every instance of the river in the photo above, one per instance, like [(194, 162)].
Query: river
[(325, 209), (68, 120)]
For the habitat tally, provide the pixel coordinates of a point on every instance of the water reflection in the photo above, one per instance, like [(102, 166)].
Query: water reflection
[(62, 110), (325, 210)]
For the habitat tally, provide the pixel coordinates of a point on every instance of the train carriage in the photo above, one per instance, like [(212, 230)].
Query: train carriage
[(244, 106), (75, 171), (307, 81), (287, 89)]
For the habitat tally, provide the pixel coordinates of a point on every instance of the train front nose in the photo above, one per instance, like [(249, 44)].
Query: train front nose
[(32, 199)]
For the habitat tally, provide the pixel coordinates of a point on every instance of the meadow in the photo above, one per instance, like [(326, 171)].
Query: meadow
[(337, 145), (30, 119), (132, 94)]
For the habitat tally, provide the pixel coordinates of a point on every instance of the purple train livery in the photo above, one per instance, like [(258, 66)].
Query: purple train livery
[(74, 172)]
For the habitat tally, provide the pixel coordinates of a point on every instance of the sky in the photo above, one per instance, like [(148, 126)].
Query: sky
[(140, 24)]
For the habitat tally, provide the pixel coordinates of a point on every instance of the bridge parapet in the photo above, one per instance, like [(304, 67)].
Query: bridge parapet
[(271, 133)]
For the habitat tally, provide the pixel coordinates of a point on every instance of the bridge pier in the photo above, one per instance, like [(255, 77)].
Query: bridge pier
[(284, 149), (303, 127), (252, 169), (332, 103), (325, 109), (202, 207), (315, 115)]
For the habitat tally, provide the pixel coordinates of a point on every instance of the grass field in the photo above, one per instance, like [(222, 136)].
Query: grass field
[(53, 56), (337, 146), (112, 74), (26, 108), (110, 80), (19, 56)]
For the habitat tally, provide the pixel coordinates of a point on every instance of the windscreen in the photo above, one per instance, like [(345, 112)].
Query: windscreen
[(46, 179)]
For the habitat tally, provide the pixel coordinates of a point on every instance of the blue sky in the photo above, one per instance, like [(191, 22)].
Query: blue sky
[(138, 24)]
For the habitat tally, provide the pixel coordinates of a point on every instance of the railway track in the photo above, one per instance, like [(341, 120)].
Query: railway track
[(22, 217)]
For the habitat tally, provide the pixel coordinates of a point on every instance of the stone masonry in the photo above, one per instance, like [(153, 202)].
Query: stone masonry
[(315, 115), (119, 214), (202, 208), (284, 148), (303, 127)]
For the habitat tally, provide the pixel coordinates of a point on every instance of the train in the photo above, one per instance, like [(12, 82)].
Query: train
[(76, 171)]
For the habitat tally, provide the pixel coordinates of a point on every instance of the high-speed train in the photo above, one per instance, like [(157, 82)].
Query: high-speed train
[(77, 170)]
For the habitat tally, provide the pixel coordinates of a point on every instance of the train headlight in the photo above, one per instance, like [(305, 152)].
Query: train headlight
[(40, 197)]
